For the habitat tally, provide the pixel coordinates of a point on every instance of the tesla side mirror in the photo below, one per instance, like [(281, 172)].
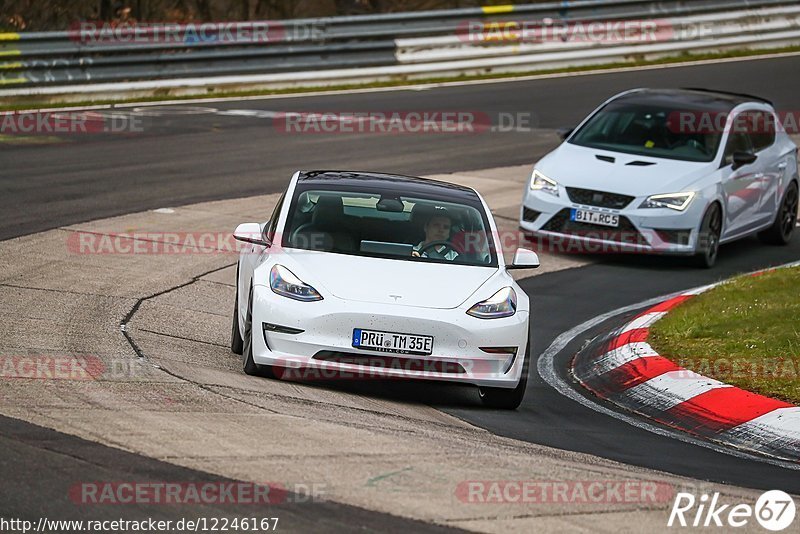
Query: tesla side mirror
[(250, 233), (524, 259), (563, 133), (740, 159)]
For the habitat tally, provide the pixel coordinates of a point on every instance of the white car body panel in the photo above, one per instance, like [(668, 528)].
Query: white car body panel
[(357, 293), (750, 196)]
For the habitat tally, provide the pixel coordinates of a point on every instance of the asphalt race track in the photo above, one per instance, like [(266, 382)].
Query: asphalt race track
[(182, 159), (186, 158)]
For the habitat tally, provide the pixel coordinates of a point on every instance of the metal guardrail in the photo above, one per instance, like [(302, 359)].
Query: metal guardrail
[(401, 45)]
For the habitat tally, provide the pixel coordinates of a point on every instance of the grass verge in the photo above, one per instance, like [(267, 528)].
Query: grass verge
[(745, 333), (32, 102)]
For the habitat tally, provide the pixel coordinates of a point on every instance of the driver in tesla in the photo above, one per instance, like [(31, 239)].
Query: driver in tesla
[(437, 229)]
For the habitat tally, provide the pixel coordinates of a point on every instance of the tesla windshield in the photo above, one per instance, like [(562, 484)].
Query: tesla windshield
[(390, 225), (646, 130)]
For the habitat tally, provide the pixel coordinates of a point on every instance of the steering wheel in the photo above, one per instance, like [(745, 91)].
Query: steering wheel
[(433, 244)]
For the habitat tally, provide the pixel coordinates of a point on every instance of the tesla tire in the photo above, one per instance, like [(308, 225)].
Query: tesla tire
[(237, 343), (508, 398)]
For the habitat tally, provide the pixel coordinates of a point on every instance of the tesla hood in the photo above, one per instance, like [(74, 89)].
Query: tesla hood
[(386, 281)]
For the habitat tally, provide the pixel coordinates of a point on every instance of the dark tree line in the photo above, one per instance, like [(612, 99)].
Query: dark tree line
[(42, 15)]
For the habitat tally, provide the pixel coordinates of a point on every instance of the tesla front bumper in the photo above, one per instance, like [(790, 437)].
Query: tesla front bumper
[(314, 340), (643, 230)]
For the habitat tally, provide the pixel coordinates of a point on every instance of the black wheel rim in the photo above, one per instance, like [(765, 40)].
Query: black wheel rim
[(714, 231), (789, 213)]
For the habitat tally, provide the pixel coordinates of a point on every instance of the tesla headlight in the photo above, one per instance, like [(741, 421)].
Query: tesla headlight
[(673, 201), (285, 283), (540, 182), (501, 304)]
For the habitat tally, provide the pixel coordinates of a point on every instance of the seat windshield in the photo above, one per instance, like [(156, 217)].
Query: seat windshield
[(649, 130), (390, 225)]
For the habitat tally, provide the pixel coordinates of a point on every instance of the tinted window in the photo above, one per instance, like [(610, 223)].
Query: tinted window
[(737, 142), (390, 224), (763, 131), (272, 224), (648, 130)]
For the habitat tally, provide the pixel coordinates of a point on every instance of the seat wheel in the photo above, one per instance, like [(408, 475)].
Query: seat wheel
[(708, 244), (781, 231)]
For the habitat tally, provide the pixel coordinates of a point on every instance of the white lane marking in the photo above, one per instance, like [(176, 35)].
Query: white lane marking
[(769, 431), (164, 110), (643, 321), (546, 369), (701, 289), (670, 389), (164, 210), (257, 113), (622, 355)]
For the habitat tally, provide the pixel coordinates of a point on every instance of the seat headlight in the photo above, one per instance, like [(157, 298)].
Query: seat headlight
[(673, 201), (540, 182), (501, 304), (283, 282)]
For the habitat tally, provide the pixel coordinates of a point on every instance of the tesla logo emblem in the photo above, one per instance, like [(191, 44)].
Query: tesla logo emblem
[(395, 297), (597, 197)]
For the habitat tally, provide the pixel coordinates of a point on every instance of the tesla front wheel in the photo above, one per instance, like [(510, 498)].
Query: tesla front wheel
[(237, 343), (780, 233), (507, 398), (250, 367)]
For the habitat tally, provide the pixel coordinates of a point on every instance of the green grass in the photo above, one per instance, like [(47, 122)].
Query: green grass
[(745, 333), (161, 95)]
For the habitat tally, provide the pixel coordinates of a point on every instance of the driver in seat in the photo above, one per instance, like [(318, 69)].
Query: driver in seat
[(437, 229)]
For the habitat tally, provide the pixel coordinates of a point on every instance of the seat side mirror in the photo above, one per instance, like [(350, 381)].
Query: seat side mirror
[(740, 159)]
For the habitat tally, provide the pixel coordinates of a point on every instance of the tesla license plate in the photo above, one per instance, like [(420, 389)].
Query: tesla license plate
[(392, 342), (594, 217)]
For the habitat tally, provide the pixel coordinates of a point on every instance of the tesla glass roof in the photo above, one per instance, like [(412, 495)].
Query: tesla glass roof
[(396, 182)]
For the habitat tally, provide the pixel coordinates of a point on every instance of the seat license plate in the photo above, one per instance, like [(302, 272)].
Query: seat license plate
[(595, 217)]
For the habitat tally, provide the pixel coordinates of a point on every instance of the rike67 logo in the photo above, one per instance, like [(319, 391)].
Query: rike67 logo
[(774, 510)]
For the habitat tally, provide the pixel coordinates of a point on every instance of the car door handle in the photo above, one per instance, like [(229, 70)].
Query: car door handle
[(783, 165)]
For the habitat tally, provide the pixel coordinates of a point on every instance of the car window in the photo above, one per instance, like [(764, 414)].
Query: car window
[(647, 130), (763, 130), (272, 224), (738, 141), (391, 225)]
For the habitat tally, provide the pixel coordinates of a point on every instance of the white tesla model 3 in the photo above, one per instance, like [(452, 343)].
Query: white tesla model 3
[(382, 276), (675, 171)]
